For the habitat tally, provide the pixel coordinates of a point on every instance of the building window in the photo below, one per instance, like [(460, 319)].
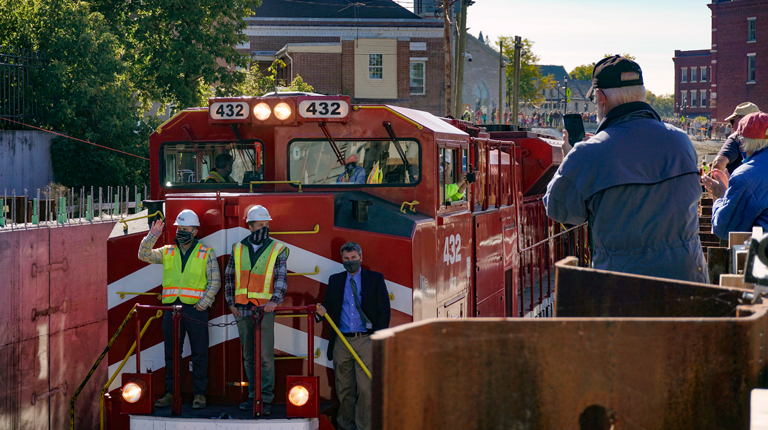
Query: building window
[(704, 74), (693, 74), (751, 29), (693, 98), (375, 66), (750, 67), (703, 98), (684, 75), (417, 77)]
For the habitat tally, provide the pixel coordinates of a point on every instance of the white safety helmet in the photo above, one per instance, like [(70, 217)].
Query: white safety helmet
[(258, 213), (187, 218)]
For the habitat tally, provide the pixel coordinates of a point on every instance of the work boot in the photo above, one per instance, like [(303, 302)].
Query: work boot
[(199, 402), (266, 409), (247, 405), (165, 401)]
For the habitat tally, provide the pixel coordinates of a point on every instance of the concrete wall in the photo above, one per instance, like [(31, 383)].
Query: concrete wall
[(25, 160)]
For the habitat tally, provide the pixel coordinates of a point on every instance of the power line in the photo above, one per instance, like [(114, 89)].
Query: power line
[(74, 138)]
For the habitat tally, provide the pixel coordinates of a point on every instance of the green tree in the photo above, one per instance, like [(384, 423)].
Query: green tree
[(584, 72), (176, 50), (256, 83), (531, 82), (664, 105)]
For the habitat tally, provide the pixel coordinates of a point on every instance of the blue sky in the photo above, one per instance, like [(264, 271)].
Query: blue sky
[(575, 32)]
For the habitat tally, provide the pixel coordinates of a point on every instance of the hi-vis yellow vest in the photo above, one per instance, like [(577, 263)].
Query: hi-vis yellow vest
[(216, 177), (190, 284), (253, 282)]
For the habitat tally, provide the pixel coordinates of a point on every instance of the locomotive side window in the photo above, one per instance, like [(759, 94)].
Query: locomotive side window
[(212, 164), (451, 166), (366, 163)]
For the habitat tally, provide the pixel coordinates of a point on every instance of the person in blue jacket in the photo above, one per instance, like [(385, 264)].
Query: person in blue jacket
[(742, 200), (636, 181), (353, 174)]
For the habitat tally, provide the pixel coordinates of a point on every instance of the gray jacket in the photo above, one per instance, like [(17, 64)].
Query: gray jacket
[(637, 182)]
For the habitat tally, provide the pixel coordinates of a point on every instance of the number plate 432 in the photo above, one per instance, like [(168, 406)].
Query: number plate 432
[(229, 110), (326, 109)]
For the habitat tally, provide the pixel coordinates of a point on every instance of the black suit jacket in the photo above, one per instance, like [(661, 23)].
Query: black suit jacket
[(375, 301)]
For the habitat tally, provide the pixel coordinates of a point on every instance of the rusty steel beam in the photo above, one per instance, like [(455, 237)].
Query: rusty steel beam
[(667, 355)]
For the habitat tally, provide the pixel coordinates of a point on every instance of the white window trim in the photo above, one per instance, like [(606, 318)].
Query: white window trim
[(694, 74), (424, 79), (704, 75), (703, 96), (684, 75), (424, 59), (754, 55), (753, 18), (369, 66)]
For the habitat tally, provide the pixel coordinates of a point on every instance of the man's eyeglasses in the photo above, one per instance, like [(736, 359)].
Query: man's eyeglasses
[(594, 93)]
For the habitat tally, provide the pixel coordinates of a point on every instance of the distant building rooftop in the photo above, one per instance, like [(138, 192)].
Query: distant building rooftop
[(339, 9)]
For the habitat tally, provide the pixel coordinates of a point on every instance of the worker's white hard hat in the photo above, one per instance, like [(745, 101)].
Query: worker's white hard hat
[(187, 218), (258, 213)]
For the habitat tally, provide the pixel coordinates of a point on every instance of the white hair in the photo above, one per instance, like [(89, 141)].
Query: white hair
[(620, 96), (750, 145)]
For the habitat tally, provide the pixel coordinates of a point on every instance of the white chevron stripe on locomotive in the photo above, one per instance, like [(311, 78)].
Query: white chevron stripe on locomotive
[(287, 339), (300, 261)]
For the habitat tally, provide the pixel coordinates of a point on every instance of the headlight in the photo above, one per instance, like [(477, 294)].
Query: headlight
[(262, 111), (298, 396), (132, 392), (282, 111)]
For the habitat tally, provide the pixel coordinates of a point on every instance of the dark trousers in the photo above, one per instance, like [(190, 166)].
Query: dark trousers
[(194, 323)]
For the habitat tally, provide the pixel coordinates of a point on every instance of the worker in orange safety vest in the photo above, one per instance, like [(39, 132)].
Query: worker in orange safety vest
[(255, 282)]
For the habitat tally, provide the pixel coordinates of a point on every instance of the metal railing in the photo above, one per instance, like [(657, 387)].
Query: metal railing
[(537, 268), (59, 205), (19, 99)]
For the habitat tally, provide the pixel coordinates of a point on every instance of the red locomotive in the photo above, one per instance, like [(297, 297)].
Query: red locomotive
[(488, 254)]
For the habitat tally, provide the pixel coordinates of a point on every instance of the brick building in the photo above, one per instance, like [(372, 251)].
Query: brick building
[(739, 55), (693, 83), (376, 52)]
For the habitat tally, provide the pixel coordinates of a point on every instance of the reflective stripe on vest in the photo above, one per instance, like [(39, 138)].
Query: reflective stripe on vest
[(258, 277), (215, 176), (189, 285)]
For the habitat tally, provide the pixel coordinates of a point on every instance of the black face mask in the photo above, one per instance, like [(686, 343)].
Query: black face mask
[(352, 266), (259, 236), (184, 237)]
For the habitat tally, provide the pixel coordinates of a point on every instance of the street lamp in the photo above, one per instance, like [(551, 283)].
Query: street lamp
[(565, 79)]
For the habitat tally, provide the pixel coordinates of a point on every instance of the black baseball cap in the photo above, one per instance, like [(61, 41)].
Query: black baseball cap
[(615, 72)]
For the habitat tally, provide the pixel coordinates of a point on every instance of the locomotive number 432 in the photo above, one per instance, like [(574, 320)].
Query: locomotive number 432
[(323, 108), (229, 110), (452, 249)]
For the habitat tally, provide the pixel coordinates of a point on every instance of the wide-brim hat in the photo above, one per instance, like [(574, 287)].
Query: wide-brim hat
[(615, 72), (743, 109)]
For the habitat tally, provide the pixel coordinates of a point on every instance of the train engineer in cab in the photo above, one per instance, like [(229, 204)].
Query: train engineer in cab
[(636, 180), (222, 170), (255, 282), (742, 202), (191, 279), (353, 174), (358, 301)]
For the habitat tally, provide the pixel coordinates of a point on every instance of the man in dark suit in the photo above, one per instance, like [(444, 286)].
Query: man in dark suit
[(358, 302)]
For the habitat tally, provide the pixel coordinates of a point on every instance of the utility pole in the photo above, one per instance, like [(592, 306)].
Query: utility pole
[(516, 84), (462, 43), (501, 80), (447, 48)]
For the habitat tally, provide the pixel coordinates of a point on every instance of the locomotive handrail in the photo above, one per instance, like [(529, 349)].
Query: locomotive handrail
[(316, 272), (349, 347), (274, 182), (552, 237), (159, 314), (125, 221), (410, 204), (397, 114), (96, 365), (313, 231), (124, 293), (299, 357)]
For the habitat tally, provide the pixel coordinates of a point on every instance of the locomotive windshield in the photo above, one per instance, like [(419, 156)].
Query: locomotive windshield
[(366, 163), (212, 164)]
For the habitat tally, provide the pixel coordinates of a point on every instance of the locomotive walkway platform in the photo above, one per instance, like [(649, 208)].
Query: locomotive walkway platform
[(546, 308), (223, 417)]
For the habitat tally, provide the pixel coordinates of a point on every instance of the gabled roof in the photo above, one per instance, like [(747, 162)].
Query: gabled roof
[(579, 89), (324, 9), (485, 47), (557, 72)]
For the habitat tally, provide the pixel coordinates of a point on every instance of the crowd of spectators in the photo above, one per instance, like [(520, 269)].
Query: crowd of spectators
[(552, 118), (703, 129)]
